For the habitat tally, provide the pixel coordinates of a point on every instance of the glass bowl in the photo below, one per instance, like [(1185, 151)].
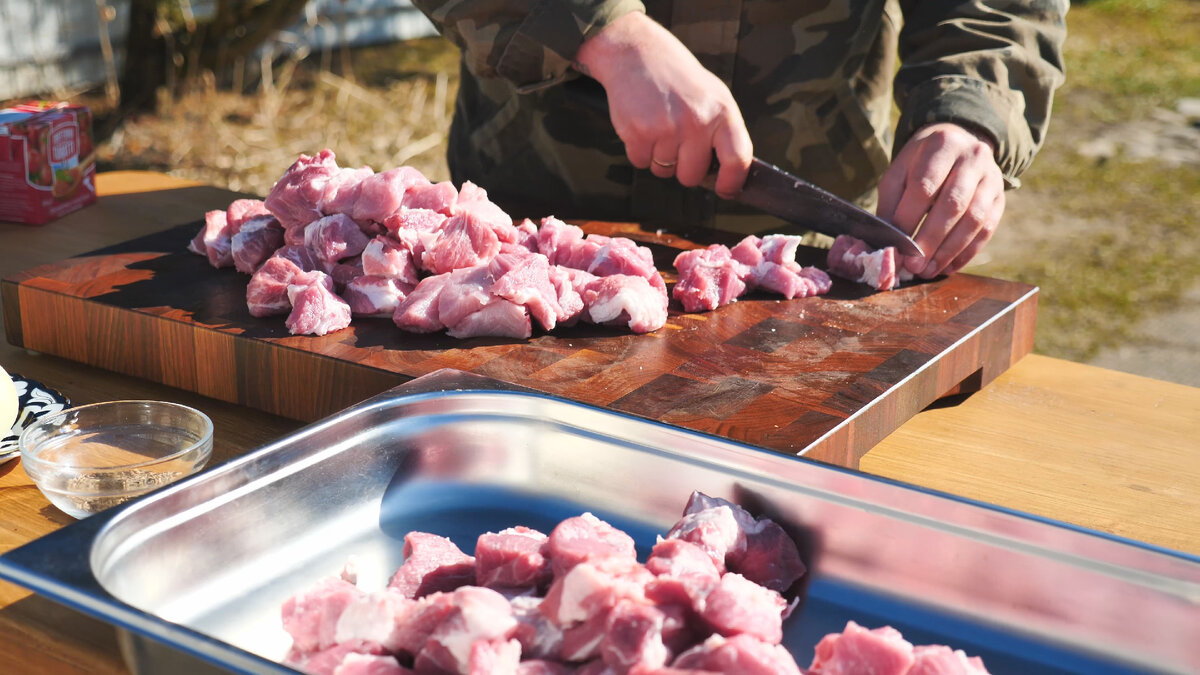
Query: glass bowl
[(93, 457)]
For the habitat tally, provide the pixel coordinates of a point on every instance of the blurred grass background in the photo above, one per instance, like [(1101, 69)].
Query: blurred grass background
[(1106, 224)]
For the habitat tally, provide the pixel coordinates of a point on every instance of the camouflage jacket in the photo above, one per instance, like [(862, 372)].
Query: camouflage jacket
[(814, 80)]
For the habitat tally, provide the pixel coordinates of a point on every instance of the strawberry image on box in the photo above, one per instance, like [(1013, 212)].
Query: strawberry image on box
[(47, 161)]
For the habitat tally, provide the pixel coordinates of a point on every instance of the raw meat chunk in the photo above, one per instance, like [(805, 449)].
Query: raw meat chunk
[(315, 308), (715, 530), (374, 296), (634, 636), (342, 190), (311, 617), (586, 537), (267, 292), (591, 588), (414, 227), (681, 558), (539, 636), (371, 623), (881, 269), (215, 241), (625, 300), (334, 237), (524, 279), (438, 197), (242, 210), (257, 240), (513, 558), (790, 280), (386, 257), (431, 564), (463, 241), (370, 664), (941, 660), (478, 616), (739, 606), (882, 651), (742, 655), (498, 318), (381, 195), (708, 278), (296, 199), (417, 312), (426, 616)]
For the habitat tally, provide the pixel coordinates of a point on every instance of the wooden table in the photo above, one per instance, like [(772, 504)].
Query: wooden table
[(1097, 448)]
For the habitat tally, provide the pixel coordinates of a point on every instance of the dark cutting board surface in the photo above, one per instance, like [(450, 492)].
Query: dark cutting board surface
[(828, 376)]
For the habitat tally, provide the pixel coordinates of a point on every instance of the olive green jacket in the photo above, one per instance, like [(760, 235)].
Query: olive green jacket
[(814, 80)]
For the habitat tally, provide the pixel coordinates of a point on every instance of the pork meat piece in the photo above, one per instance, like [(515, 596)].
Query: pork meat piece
[(315, 308), (474, 200), (478, 615), (556, 240), (463, 241), (941, 660), (790, 280), (512, 558), (466, 293), (525, 279), (539, 636), (593, 587), (715, 530), (345, 272), (882, 651), (266, 294), (742, 655), (431, 564), (311, 616), (634, 636), (778, 248), (527, 236), (566, 283), (761, 551), (439, 197), (342, 190), (371, 623), (320, 662), (414, 227), (335, 237), (418, 311), (215, 240), (381, 195), (852, 259), (370, 664), (375, 296), (543, 667), (620, 255), (257, 240), (498, 318), (674, 557), (739, 606), (625, 300), (428, 613), (297, 197), (387, 257), (708, 278), (242, 210), (586, 537)]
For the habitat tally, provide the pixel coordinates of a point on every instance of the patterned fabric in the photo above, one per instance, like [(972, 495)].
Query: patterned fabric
[(814, 80)]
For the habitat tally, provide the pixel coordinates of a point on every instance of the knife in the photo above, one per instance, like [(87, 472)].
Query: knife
[(795, 200)]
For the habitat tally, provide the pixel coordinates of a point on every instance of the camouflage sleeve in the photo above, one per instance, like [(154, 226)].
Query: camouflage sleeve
[(989, 65), (529, 42)]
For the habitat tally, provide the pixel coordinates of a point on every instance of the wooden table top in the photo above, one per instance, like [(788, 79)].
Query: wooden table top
[(1092, 447)]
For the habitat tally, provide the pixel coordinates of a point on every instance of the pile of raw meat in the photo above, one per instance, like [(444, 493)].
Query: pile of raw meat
[(330, 243), (707, 601)]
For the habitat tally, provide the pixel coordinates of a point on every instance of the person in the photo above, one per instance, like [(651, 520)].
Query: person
[(614, 109)]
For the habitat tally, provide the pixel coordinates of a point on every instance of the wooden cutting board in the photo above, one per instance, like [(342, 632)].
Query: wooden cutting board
[(827, 377)]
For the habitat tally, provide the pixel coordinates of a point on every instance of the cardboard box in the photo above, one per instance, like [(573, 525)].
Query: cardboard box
[(47, 161)]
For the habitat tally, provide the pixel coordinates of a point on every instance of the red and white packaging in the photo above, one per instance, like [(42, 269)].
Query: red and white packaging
[(47, 161)]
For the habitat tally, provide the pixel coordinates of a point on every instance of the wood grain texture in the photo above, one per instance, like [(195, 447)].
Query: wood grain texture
[(827, 377)]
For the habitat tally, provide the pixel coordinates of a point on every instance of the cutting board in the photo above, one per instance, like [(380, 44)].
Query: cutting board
[(827, 377)]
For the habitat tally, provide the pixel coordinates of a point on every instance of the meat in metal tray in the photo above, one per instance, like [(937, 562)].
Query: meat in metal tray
[(197, 571)]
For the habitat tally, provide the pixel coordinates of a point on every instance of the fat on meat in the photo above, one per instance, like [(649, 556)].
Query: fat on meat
[(342, 190), (428, 613), (240, 211), (853, 259), (633, 636), (624, 300), (257, 239), (882, 651), (431, 564), (384, 256), (335, 237), (463, 240), (311, 616), (267, 292), (372, 621), (737, 606), (414, 227), (525, 279), (588, 590), (316, 310), (540, 637), (374, 296), (477, 616)]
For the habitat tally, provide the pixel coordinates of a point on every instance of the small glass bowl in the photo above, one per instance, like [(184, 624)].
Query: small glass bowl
[(89, 458)]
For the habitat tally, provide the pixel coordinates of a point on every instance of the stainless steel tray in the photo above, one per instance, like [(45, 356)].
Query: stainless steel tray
[(201, 568)]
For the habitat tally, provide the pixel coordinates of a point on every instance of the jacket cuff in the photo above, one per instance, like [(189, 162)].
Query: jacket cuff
[(545, 44), (975, 105)]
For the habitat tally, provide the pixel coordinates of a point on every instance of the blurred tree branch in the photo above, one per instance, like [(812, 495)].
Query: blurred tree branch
[(167, 46)]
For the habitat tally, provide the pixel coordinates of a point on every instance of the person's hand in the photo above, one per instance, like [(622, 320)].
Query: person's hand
[(946, 175), (671, 112)]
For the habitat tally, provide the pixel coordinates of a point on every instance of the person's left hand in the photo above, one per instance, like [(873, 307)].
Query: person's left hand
[(945, 186)]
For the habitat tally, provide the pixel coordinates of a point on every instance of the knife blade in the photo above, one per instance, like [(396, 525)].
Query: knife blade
[(795, 200)]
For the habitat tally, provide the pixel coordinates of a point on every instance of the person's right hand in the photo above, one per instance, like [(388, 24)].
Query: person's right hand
[(671, 112)]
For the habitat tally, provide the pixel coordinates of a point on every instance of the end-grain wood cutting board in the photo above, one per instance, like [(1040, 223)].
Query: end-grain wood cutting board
[(827, 377)]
